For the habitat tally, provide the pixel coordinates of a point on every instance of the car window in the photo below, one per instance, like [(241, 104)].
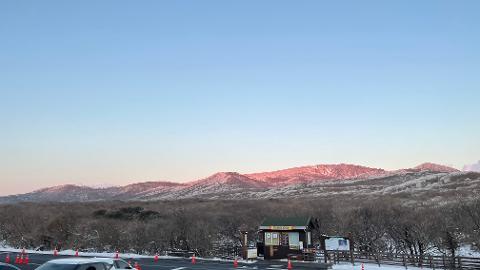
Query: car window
[(7, 267), (108, 266), (57, 266), (121, 265), (92, 266)]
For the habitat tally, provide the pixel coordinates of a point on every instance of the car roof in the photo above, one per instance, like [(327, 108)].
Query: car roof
[(74, 261), (105, 259)]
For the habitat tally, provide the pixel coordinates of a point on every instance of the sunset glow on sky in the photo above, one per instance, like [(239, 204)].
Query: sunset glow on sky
[(116, 92)]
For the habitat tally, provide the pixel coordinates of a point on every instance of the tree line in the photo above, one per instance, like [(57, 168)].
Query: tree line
[(376, 225)]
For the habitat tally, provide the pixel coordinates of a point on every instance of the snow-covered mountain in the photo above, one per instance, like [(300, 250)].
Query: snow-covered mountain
[(434, 168), (430, 180), (307, 174)]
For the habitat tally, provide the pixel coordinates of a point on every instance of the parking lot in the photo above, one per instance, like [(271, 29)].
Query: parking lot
[(36, 260)]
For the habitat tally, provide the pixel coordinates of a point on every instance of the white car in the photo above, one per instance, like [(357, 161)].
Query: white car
[(114, 264), (74, 264)]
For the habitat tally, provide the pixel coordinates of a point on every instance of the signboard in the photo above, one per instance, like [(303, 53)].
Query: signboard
[(272, 239), (281, 228), (252, 253), (337, 243)]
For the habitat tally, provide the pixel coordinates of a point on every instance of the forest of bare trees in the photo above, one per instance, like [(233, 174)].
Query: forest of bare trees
[(201, 225)]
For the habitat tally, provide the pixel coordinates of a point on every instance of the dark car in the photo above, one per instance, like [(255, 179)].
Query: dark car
[(6, 266)]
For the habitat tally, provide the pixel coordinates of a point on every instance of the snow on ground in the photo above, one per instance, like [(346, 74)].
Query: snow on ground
[(466, 251), (369, 266), (70, 252)]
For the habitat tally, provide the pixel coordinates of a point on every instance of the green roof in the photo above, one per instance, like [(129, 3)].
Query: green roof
[(288, 221)]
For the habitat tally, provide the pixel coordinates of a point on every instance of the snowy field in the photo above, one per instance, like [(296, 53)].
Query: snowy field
[(368, 266), (69, 252)]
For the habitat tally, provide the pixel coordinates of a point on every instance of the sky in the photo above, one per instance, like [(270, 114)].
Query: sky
[(116, 92)]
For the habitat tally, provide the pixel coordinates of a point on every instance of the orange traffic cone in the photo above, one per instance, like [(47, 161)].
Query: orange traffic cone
[(155, 259), (137, 266), (26, 260), (76, 252), (235, 263), (194, 260), (20, 261), (289, 264), (17, 259), (7, 259)]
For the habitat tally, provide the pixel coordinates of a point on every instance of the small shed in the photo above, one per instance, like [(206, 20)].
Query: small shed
[(281, 238)]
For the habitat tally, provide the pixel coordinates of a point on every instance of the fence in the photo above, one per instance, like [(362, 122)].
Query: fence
[(428, 261)]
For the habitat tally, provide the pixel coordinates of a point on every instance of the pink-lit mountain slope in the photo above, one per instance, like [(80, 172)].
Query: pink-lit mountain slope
[(434, 168), (306, 181), (316, 172), (230, 179)]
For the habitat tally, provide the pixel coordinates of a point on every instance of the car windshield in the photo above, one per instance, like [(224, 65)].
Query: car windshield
[(57, 266), (7, 267)]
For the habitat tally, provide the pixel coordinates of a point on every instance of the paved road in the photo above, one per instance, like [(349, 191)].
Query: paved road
[(179, 264)]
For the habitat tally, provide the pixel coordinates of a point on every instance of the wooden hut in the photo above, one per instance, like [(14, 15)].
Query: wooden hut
[(281, 238)]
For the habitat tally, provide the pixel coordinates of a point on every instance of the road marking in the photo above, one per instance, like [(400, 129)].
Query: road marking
[(179, 268)]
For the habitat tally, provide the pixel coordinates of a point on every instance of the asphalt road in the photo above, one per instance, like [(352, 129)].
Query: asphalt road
[(178, 264)]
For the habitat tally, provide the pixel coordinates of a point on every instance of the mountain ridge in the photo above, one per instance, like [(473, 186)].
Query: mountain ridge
[(231, 184), (316, 172)]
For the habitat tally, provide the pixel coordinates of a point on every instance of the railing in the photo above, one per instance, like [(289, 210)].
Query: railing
[(406, 260)]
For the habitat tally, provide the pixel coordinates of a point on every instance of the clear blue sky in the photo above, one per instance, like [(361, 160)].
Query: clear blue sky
[(126, 91)]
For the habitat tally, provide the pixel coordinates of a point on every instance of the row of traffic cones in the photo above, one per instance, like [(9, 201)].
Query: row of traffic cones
[(20, 259)]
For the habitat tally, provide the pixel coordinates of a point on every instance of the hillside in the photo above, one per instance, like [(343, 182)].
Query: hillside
[(427, 182), (307, 174)]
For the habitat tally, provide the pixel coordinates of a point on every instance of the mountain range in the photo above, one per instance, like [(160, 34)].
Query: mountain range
[(432, 181)]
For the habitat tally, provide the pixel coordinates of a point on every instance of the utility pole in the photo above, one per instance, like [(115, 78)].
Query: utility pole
[(244, 244)]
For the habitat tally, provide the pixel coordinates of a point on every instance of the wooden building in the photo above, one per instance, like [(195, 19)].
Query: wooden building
[(280, 238)]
